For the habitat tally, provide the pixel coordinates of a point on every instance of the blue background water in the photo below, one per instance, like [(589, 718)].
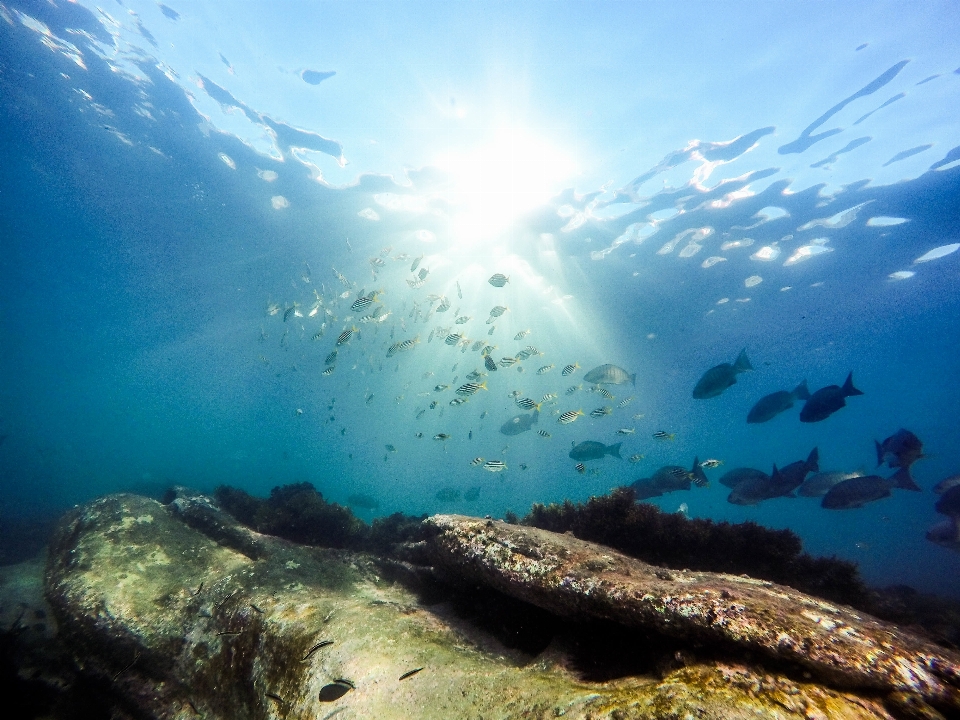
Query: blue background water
[(561, 144)]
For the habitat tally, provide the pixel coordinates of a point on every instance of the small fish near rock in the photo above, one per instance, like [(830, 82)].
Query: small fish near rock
[(718, 378), (769, 406), (827, 400)]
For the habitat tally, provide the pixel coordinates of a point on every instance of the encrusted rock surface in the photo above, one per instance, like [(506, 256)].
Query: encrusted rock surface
[(175, 624), (572, 577)]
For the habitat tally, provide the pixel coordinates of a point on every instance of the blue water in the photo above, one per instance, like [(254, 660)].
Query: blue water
[(168, 174)]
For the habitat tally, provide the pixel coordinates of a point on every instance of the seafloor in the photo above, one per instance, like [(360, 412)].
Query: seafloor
[(181, 609)]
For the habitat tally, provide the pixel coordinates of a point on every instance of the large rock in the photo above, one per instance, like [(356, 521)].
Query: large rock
[(575, 578), (180, 613)]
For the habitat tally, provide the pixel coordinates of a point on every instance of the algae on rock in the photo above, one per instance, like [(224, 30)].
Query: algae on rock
[(180, 625)]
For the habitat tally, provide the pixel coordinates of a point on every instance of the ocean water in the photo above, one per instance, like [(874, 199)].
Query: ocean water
[(192, 198)]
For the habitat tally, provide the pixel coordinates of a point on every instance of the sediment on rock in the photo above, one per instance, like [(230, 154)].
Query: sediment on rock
[(574, 578)]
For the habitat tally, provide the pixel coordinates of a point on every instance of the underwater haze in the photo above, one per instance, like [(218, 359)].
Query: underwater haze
[(378, 247)]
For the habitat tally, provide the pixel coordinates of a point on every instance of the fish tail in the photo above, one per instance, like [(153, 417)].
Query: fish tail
[(813, 461), (615, 450), (801, 391), (848, 388), (902, 479), (743, 362)]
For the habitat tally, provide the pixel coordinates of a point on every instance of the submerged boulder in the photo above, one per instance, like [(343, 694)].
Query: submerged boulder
[(177, 611), (575, 578)]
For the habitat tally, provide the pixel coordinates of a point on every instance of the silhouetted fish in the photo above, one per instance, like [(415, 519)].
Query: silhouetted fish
[(900, 450), (520, 423), (591, 450), (718, 378), (781, 483), (769, 406), (739, 475), (819, 484), (856, 492), (826, 401)]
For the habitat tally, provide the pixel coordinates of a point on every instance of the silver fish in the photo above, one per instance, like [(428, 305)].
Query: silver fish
[(498, 280)]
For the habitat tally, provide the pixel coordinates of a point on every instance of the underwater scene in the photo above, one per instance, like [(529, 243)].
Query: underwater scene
[(476, 259)]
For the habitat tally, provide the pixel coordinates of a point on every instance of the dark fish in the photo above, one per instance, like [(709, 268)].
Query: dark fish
[(857, 492), (781, 483), (826, 401), (335, 690), (718, 378), (670, 478), (520, 423), (498, 280), (769, 406), (364, 502), (610, 375), (900, 450), (592, 450), (739, 475), (448, 494), (819, 484), (949, 503), (946, 534), (940, 488), (488, 362)]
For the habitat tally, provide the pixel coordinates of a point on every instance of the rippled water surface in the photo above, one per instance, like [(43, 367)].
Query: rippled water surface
[(201, 204)]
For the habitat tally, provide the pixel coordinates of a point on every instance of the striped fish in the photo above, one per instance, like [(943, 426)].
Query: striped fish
[(543, 433), (489, 363), (601, 411), (545, 369), (601, 390), (569, 416), (548, 397), (523, 355), (331, 358), (402, 346), (444, 304), (453, 338), (415, 284), (458, 401), (626, 401), (346, 335), (580, 468), (521, 335), (570, 369), (573, 388), (462, 320), (329, 370), (475, 375), (527, 404), (495, 465), (477, 461), (470, 388), (507, 361)]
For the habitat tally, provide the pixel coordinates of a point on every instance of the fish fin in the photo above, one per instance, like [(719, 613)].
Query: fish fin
[(801, 391), (880, 453), (774, 473), (742, 362), (848, 388), (904, 481), (615, 450), (633, 379), (813, 460)]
